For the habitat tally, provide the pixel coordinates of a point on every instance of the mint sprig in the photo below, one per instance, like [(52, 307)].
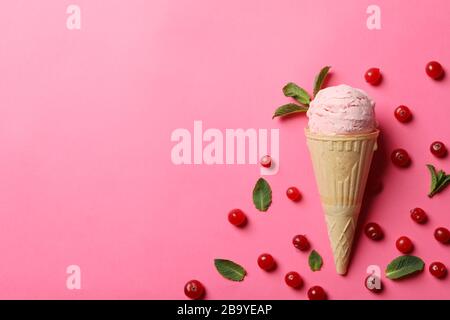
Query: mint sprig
[(301, 96), (439, 180)]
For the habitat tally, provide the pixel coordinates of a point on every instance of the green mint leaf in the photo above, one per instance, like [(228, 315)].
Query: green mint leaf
[(299, 94), (438, 180), (289, 108), (433, 179), (315, 261), (230, 270), (440, 175), (404, 266), (442, 184), (320, 78), (262, 195)]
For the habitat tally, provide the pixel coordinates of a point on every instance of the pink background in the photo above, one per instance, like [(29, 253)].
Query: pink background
[(85, 122)]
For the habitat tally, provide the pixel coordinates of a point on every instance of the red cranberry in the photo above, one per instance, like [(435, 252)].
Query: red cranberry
[(403, 114), (442, 235), (400, 158), (438, 269), (438, 149), (373, 283), (418, 215), (316, 293), (293, 194), (373, 231), (194, 289), (266, 262), (237, 217), (404, 245), (373, 76), (293, 279), (266, 161), (301, 242), (434, 70)]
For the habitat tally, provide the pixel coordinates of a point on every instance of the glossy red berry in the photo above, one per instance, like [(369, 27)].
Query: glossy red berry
[(194, 289), (404, 245), (418, 215), (373, 284), (438, 149), (293, 194), (266, 262), (237, 217), (266, 161), (442, 235), (434, 70), (373, 76), (400, 158), (317, 293), (293, 279), (403, 114), (438, 269), (301, 242), (373, 231)]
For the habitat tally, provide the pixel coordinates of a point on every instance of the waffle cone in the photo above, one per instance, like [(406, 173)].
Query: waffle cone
[(341, 166)]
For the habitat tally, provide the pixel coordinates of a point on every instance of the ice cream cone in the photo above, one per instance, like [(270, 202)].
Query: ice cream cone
[(341, 166)]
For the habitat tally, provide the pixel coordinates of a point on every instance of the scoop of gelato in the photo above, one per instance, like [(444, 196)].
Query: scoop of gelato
[(341, 110)]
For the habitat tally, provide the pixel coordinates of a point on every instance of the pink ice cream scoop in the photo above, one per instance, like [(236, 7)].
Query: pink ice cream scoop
[(341, 110)]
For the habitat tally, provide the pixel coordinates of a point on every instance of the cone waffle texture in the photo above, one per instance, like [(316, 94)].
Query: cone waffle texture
[(341, 166)]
